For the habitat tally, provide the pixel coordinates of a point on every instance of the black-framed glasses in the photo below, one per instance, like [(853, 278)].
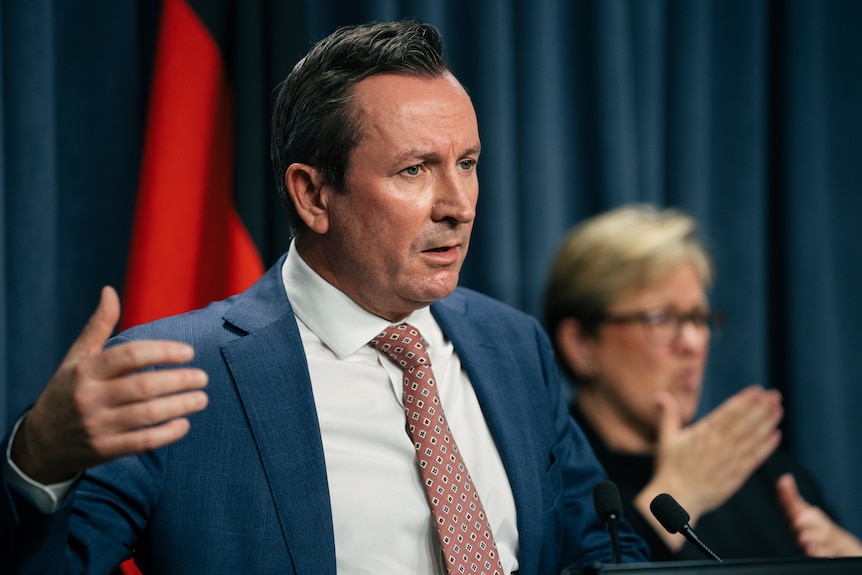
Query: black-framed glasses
[(665, 326)]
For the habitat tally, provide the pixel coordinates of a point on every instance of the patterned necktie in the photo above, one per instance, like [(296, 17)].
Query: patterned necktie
[(465, 535)]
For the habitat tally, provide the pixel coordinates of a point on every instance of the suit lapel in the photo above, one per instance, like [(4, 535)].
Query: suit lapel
[(491, 369), (270, 371)]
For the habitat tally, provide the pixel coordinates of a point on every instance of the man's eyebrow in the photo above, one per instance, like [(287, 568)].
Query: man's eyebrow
[(417, 154), (474, 151), (426, 156)]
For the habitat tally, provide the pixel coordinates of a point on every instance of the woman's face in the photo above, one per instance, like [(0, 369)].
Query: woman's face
[(632, 364)]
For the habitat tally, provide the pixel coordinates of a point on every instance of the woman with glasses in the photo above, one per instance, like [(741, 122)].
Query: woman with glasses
[(627, 309)]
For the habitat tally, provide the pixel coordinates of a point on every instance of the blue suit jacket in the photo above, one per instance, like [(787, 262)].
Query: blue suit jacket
[(246, 490)]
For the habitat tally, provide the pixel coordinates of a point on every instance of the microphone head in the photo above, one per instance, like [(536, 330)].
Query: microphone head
[(669, 513), (606, 498)]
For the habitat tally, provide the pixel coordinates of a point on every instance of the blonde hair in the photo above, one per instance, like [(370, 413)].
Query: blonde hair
[(616, 252)]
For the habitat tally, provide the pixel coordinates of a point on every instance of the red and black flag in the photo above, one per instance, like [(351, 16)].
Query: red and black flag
[(189, 246)]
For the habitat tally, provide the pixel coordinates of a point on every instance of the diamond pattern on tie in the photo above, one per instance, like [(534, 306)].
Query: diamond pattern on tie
[(465, 535)]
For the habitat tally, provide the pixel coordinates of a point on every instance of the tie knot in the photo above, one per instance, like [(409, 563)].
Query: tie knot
[(404, 344)]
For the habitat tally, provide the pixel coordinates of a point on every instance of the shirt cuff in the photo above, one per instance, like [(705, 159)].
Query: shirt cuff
[(47, 498)]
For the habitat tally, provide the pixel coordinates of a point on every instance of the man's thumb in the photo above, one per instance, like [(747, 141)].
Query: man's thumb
[(100, 325)]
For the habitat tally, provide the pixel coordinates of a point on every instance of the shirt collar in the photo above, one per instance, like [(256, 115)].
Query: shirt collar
[(340, 323)]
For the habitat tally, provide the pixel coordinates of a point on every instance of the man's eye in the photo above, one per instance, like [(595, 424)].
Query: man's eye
[(467, 164), (412, 170)]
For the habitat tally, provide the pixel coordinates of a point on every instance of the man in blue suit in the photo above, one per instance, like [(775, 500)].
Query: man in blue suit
[(295, 458)]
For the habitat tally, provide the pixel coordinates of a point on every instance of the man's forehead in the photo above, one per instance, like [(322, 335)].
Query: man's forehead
[(409, 103)]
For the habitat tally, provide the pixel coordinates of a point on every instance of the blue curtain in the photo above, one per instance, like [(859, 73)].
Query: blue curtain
[(744, 112)]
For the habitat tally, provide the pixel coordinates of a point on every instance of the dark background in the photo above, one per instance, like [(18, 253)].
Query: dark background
[(744, 112)]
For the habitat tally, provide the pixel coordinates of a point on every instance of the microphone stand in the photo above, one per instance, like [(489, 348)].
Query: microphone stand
[(612, 523), (689, 534)]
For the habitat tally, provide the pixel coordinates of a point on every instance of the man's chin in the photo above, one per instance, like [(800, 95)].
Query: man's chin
[(442, 283), (437, 294)]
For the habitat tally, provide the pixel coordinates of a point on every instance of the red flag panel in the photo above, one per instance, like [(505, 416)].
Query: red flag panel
[(189, 246)]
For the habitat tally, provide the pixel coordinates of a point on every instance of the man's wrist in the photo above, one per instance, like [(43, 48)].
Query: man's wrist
[(47, 497)]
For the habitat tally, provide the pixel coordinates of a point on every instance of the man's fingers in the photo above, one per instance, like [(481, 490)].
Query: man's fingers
[(74, 444), (99, 327), (132, 356), (143, 439), (153, 412), (122, 358), (145, 385)]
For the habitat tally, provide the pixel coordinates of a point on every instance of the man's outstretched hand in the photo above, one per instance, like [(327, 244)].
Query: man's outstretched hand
[(99, 406)]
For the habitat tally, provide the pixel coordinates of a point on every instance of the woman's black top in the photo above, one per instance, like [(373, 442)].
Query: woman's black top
[(750, 524)]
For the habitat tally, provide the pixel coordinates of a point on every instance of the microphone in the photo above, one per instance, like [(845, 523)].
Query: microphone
[(674, 518), (609, 508)]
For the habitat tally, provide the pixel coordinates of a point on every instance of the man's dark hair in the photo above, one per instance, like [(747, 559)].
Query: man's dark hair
[(315, 121)]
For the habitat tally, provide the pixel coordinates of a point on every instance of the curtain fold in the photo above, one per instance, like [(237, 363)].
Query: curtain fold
[(744, 112)]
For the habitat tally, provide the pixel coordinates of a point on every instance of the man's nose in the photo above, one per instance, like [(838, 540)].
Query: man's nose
[(455, 197)]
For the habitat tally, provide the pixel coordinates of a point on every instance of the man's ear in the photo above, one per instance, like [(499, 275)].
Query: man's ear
[(305, 187), (577, 349)]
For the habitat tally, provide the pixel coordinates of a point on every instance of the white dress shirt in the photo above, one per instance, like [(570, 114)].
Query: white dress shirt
[(383, 523)]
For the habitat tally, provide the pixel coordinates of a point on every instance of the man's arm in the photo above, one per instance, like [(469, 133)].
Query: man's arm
[(46, 497), (99, 405)]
